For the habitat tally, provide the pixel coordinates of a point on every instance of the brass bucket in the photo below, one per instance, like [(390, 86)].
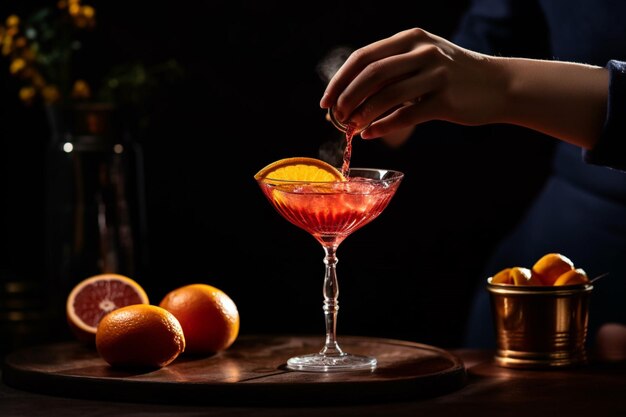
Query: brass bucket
[(540, 327)]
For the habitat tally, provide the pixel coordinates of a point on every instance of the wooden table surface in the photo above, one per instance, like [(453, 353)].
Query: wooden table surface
[(597, 389)]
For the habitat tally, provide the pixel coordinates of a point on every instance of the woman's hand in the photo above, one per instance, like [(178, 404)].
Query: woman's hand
[(414, 76), (410, 78)]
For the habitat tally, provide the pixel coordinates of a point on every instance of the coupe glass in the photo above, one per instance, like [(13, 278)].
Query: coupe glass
[(330, 212)]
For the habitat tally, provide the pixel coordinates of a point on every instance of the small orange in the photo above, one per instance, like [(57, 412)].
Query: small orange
[(502, 277), (208, 316), (551, 266), (524, 276), (96, 296), (140, 335), (300, 169), (516, 276), (572, 277)]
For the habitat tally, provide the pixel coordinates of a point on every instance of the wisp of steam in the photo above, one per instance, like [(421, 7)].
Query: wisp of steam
[(331, 62), (332, 151)]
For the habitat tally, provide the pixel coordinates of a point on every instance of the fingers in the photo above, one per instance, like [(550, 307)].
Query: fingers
[(414, 77), (360, 59), (375, 78), (409, 114), (422, 83), (383, 85)]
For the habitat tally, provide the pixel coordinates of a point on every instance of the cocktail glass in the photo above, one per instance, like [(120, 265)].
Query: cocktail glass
[(330, 212)]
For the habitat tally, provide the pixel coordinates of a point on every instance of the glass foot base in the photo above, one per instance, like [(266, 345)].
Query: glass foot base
[(317, 362)]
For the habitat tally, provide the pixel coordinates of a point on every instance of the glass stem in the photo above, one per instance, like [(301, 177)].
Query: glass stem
[(331, 303)]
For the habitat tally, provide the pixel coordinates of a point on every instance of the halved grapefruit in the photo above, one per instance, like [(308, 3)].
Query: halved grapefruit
[(94, 297)]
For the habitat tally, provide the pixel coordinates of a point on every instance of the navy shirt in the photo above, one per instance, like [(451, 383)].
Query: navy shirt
[(581, 210)]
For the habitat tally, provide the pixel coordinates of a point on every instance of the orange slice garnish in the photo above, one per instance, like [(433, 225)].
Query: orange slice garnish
[(300, 169)]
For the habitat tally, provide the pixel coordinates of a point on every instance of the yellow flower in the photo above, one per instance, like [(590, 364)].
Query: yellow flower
[(88, 11), (13, 21), (51, 94), (74, 9), (17, 65), (83, 16), (27, 94), (7, 46), (81, 90)]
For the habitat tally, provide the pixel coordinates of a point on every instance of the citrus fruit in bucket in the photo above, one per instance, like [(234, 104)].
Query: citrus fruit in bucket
[(139, 336), (572, 277), (502, 277), (551, 266), (94, 297), (208, 316), (552, 269), (300, 169), (516, 276)]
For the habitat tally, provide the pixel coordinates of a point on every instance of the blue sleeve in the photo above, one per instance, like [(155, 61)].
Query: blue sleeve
[(503, 27), (610, 150)]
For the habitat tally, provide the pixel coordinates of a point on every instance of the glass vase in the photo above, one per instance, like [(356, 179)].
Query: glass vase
[(95, 200)]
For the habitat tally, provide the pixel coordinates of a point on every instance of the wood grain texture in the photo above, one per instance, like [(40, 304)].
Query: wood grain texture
[(251, 372)]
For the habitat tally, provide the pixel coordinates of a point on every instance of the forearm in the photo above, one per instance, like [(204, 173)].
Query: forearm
[(564, 100)]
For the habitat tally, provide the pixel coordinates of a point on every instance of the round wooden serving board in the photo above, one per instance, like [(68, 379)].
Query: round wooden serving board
[(251, 371)]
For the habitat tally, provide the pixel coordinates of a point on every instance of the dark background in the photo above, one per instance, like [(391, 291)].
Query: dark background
[(250, 96)]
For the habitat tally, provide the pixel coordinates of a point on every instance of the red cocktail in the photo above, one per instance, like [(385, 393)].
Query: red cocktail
[(330, 212)]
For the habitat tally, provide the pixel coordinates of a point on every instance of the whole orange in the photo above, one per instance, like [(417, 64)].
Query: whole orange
[(516, 276), (139, 335), (208, 316), (551, 266), (572, 277)]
